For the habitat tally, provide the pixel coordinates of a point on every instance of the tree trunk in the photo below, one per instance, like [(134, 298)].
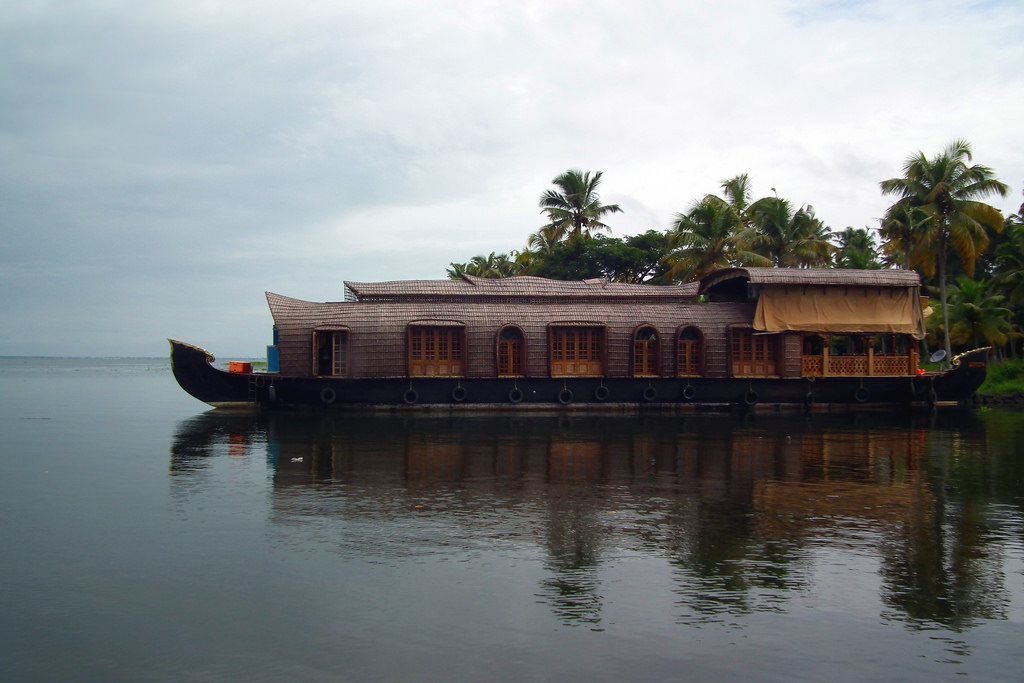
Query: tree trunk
[(942, 290)]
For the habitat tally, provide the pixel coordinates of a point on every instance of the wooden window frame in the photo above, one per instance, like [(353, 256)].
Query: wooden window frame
[(445, 342), (522, 355), (565, 354), (346, 363), (697, 360), (649, 354), (753, 350)]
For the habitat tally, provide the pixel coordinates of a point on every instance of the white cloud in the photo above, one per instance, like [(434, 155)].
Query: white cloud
[(208, 150)]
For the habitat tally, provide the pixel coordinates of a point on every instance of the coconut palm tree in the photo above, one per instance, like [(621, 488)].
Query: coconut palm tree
[(855, 248), (737, 193), (456, 270), (544, 240), (789, 239), (575, 209), (977, 314), (706, 238), (947, 190), (1009, 262), (904, 236), (493, 265)]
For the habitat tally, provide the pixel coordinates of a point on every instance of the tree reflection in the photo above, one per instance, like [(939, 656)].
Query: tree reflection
[(735, 509), (941, 565)]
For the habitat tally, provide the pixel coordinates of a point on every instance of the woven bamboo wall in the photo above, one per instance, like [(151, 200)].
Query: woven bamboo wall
[(791, 352), (377, 331)]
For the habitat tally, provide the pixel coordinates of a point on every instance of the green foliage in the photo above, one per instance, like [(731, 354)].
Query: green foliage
[(707, 238), (1008, 267), (1003, 379), (787, 238), (492, 265), (638, 258), (855, 248), (977, 317)]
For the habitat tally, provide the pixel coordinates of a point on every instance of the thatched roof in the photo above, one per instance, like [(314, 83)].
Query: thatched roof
[(519, 287), (838, 277), (370, 315)]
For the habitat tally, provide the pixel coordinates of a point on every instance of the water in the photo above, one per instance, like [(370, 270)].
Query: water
[(143, 538)]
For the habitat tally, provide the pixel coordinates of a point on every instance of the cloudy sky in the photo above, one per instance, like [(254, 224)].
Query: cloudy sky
[(165, 163)]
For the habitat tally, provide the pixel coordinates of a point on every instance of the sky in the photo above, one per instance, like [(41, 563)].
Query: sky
[(163, 164)]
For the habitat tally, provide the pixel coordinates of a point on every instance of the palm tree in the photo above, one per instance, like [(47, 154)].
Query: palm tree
[(1009, 262), (904, 238), (788, 239), (856, 249), (947, 190), (978, 314), (576, 209), (457, 270), (737, 193), (706, 238), (492, 265), (544, 240)]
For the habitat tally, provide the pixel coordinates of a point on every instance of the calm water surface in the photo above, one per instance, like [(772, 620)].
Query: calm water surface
[(146, 539)]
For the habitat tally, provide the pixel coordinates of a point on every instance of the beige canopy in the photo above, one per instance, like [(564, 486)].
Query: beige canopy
[(839, 310)]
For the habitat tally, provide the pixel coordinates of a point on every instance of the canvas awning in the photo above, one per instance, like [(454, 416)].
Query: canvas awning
[(843, 310)]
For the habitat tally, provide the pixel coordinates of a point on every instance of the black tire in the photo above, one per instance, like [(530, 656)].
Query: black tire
[(459, 394), (410, 397), (515, 395), (565, 397), (809, 399), (750, 398), (861, 395), (689, 392), (650, 393), (601, 393), (327, 396)]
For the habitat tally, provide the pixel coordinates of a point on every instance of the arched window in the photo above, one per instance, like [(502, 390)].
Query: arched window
[(688, 352), (511, 352), (645, 352)]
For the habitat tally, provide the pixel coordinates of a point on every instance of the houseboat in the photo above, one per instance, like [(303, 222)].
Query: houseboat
[(738, 337)]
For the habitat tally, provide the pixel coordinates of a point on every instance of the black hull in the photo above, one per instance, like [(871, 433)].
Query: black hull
[(193, 369)]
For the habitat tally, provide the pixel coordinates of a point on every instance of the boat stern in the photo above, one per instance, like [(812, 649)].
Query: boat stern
[(193, 369)]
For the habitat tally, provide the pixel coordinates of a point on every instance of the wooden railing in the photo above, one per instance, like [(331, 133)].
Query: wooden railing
[(857, 366)]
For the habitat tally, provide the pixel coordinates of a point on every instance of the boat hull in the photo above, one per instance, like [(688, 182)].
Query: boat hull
[(193, 369)]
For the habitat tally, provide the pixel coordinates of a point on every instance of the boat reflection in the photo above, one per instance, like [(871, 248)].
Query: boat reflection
[(744, 513)]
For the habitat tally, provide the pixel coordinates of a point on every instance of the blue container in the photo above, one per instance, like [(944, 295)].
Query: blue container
[(273, 359)]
